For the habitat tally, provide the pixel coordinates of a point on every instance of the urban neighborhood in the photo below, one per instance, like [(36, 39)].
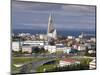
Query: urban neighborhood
[(52, 37), (51, 52)]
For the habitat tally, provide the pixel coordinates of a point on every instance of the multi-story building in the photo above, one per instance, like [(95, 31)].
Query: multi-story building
[(81, 47), (27, 49), (15, 46)]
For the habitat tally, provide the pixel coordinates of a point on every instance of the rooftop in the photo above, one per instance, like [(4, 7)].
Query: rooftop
[(69, 60)]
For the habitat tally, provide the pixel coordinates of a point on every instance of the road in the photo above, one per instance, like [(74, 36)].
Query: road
[(31, 67)]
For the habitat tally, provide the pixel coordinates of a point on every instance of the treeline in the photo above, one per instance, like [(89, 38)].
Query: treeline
[(34, 50), (38, 50)]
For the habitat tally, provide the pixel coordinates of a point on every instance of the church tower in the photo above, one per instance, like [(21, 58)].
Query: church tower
[(51, 32)]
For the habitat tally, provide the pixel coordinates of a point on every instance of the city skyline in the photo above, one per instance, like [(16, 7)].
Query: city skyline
[(32, 15), (51, 37)]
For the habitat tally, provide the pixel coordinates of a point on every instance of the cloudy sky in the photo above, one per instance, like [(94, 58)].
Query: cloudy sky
[(32, 15)]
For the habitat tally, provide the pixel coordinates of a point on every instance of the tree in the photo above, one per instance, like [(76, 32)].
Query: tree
[(86, 51), (52, 41), (42, 50), (35, 50), (70, 68)]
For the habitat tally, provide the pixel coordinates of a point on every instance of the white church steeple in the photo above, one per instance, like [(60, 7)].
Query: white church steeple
[(51, 32)]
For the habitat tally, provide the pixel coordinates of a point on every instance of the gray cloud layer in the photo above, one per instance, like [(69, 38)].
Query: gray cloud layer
[(30, 15)]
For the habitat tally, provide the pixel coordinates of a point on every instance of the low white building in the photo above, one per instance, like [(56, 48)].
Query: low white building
[(93, 39), (24, 34), (57, 47), (15, 46), (34, 42), (27, 49), (66, 62), (75, 46), (50, 48), (81, 47), (67, 50), (60, 47), (77, 39), (70, 37), (43, 37), (26, 46), (91, 51)]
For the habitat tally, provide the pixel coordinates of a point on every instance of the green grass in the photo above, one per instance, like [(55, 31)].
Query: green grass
[(83, 60), (47, 67), (13, 67), (19, 60), (59, 52), (22, 60)]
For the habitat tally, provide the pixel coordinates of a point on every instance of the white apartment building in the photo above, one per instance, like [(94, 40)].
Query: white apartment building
[(67, 50), (60, 47), (15, 46), (50, 48), (24, 34), (26, 46), (93, 39), (70, 37), (81, 47), (41, 43), (43, 36), (77, 39), (27, 49)]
